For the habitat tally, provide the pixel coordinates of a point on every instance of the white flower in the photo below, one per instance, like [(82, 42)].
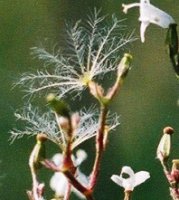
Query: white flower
[(59, 183), (149, 14), (133, 179)]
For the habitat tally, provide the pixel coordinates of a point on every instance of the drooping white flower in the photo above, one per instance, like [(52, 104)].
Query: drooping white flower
[(59, 183), (149, 14), (133, 179)]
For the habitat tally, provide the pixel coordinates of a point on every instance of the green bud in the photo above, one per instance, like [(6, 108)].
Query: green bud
[(59, 106), (163, 150), (124, 65)]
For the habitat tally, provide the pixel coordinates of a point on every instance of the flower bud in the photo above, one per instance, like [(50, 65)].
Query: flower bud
[(163, 150), (59, 106), (41, 137), (124, 65), (63, 123), (168, 130)]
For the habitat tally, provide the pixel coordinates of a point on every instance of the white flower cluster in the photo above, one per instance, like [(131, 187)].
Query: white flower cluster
[(59, 183)]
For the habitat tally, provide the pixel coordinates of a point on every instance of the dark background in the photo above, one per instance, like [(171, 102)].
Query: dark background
[(147, 102)]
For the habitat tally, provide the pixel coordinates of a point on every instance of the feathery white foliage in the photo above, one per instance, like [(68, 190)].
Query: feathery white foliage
[(93, 50), (89, 125), (45, 123), (35, 123)]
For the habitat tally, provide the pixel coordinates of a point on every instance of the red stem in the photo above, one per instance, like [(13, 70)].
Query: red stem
[(99, 149), (87, 193)]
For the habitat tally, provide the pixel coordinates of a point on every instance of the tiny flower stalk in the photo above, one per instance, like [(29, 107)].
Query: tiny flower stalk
[(36, 157), (62, 113), (127, 195), (63, 118), (122, 71), (98, 92)]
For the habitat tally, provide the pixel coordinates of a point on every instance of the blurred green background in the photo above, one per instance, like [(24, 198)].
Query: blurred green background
[(146, 104)]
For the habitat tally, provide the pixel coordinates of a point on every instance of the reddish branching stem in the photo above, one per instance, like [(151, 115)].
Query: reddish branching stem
[(174, 191), (99, 148), (87, 193)]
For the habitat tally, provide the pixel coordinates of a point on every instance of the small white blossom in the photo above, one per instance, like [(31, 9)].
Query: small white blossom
[(59, 183), (133, 179), (149, 14)]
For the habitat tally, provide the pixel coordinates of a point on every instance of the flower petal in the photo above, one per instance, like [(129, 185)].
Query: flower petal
[(143, 26), (117, 179), (57, 159), (127, 170), (141, 177), (128, 183), (126, 7), (58, 184), (81, 155), (154, 15)]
